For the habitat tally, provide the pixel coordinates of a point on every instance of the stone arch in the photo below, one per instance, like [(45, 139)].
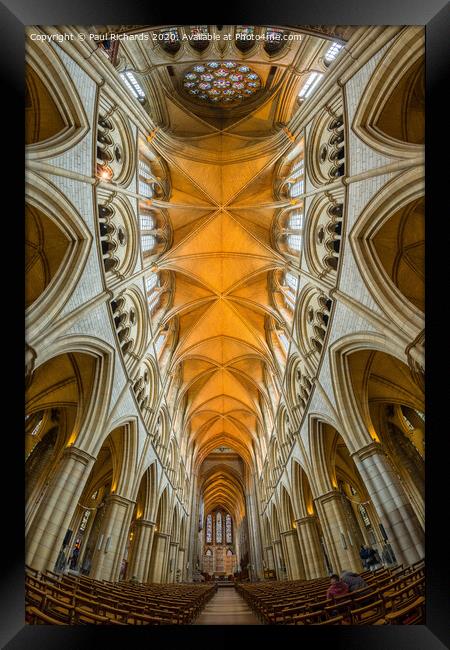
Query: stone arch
[(124, 450), (175, 526), (377, 241), (47, 202), (94, 406), (325, 147), (119, 237), (302, 497), (64, 122), (286, 509), (116, 146), (392, 82), (313, 317), (323, 234), (146, 500), (163, 512), (356, 433)]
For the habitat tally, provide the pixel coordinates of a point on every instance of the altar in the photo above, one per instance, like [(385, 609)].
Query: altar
[(219, 561)]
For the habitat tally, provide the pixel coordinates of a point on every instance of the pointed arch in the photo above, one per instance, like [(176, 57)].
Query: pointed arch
[(51, 88)]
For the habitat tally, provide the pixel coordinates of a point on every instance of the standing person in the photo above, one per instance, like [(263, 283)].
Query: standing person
[(74, 557), (337, 587), (364, 555), (372, 559), (353, 580)]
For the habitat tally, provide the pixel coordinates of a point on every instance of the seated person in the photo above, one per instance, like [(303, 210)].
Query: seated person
[(353, 580), (337, 587)]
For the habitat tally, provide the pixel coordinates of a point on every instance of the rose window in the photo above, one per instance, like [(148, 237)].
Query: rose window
[(221, 82)]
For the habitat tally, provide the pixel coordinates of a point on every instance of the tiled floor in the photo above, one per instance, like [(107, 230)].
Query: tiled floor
[(226, 607)]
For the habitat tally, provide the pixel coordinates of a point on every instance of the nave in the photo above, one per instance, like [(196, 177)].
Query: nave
[(225, 352)]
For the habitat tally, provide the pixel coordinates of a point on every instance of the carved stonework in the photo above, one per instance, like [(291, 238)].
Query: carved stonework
[(30, 359), (416, 359), (341, 32)]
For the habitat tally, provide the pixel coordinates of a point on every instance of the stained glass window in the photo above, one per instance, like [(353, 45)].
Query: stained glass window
[(228, 530), (290, 302), (209, 529), (36, 428), (364, 515), (296, 220), (221, 82), (151, 282), (219, 528), (295, 242), (159, 343), (244, 35), (85, 519), (291, 281), (332, 52), (284, 341), (310, 84), (145, 189), (144, 169), (274, 39), (169, 39), (148, 242), (153, 301), (199, 37), (147, 222), (132, 84), (297, 189)]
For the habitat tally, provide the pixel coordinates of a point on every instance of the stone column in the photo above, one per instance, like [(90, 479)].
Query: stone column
[(270, 561), (343, 549), (172, 563), (280, 560), (294, 562), (114, 531), (142, 547), (311, 549), (181, 564), (54, 514), (159, 557), (391, 503)]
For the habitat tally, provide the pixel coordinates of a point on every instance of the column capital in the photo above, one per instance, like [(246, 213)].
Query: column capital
[(368, 451), (287, 533), (78, 454), (309, 519), (144, 523), (117, 498), (329, 496)]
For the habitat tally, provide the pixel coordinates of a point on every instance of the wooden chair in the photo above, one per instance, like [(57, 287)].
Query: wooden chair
[(34, 616), (369, 614), (412, 614), (336, 620)]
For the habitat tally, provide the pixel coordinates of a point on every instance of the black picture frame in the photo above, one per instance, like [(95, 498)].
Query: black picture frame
[(435, 15)]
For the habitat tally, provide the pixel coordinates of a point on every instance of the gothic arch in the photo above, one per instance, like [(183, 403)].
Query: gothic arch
[(405, 189), (50, 85), (45, 197), (356, 419), (123, 440), (163, 512), (94, 406), (391, 76)]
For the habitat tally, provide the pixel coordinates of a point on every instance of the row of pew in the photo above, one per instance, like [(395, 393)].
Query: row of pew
[(394, 596), (59, 599)]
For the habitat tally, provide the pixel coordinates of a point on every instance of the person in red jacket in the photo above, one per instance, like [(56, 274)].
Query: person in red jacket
[(337, 587)]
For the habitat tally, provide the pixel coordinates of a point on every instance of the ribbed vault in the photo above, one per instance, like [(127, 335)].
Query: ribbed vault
[(221, 298), (222, 163)]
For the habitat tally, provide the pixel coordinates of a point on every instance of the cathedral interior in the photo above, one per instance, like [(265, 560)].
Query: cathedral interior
[(224, 324)]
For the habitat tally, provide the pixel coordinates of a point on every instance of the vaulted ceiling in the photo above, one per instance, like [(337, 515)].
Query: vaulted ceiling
[(222, 163)]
